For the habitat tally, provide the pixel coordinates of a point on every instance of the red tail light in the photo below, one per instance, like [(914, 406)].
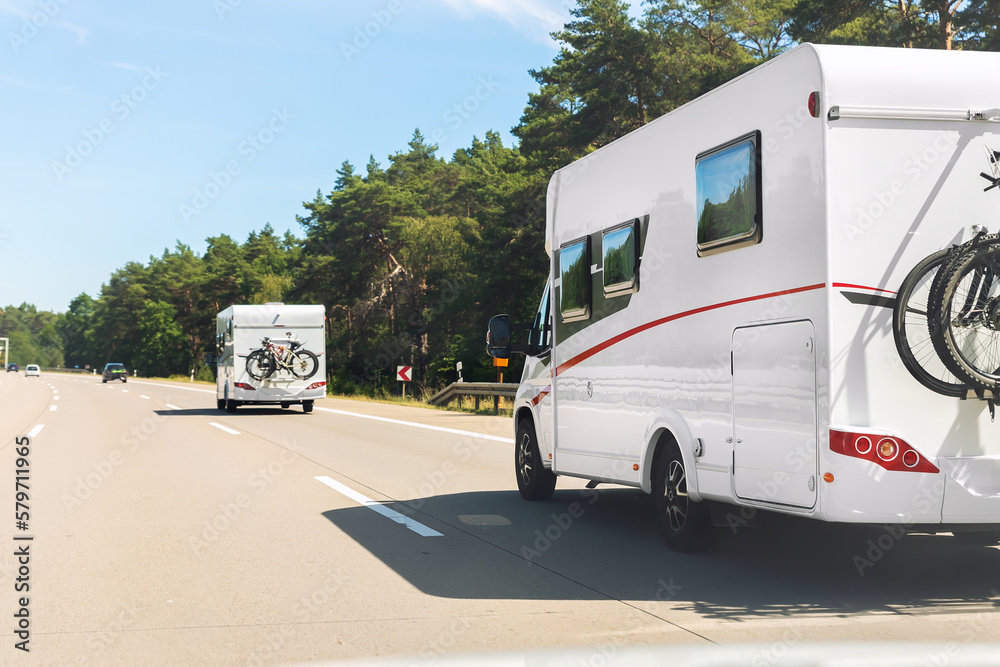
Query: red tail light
[(890, 452), (316, 385), (244, 385)]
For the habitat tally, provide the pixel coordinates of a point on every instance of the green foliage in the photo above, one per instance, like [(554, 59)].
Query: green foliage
[(33, 336)]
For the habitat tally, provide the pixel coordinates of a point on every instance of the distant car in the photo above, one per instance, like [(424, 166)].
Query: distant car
[(32, 369), (12, 367), (114, 372)]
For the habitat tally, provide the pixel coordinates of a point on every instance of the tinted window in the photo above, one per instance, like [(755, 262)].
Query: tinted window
[(574, 271), (728, 191), (621, 260)]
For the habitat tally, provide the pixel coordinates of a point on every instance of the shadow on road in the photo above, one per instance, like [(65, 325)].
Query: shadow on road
[(606, 544), (214, 412)]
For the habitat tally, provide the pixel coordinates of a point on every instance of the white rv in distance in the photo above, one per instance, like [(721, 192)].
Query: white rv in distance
[(721, 320), (270, 354)]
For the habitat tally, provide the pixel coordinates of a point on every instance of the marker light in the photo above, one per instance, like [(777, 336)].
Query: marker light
[(891, 453), (828, 477), (814, 104)]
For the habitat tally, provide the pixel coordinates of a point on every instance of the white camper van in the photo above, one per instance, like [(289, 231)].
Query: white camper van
[(270, 354), (781, 296)]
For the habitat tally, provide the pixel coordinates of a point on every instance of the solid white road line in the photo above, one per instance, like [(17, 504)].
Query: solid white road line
[(415, 526), (53, 408), (471, 434), (481, 436), (172, 407), (224, 428), (35, 431)]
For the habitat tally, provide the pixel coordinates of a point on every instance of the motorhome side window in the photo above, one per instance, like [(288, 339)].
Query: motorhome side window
[(621, 259), (574, 274), (728, 190), (540, 336)]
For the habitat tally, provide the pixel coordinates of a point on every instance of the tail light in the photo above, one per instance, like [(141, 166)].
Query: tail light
[(244, 385), (316, 385), (889, 452)]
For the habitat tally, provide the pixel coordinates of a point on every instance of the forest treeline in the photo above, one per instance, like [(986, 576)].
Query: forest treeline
[(410, 257)]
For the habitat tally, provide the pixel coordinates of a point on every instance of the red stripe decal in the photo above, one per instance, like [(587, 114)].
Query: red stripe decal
[(873, 289), (583, 356), (542, 394)]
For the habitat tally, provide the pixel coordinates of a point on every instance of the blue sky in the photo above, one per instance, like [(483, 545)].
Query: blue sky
[(125, 128)]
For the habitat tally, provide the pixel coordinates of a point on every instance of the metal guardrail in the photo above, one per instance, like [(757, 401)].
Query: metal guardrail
[(476, 389)]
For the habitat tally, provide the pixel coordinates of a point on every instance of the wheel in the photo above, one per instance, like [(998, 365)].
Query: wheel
[(260, 365), (534, 480), (966, 321), (687, 525), (979, 538), (104, 380), (284, 406), (220, 404), (124, 380), (307, 406), (910, 329), (230, 406), (304, 364)]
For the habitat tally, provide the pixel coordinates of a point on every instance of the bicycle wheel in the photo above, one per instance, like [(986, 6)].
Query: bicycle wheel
[(303, 364), (260, 365), (967, 335), (910, 331), (936, 296)]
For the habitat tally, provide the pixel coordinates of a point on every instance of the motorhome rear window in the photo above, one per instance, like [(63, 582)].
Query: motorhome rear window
[(574, 273), (621, 259), (729, 195)]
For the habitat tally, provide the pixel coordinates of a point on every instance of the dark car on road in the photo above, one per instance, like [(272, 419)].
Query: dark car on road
[(12, 367), (114, 372)]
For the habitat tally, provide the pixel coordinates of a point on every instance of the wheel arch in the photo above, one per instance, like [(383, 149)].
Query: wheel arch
[(668, 427), (525, 413)]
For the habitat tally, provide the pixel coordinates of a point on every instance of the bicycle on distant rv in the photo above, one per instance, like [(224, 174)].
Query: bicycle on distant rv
[(272, 357)]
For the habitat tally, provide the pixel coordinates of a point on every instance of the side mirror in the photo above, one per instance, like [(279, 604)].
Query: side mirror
[(498, 337), (211, 359)]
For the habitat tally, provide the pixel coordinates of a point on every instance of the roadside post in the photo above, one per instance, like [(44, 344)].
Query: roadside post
[(404, 374), (500, 365)]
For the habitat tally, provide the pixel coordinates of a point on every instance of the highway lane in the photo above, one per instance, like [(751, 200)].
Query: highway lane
[(169, 532)]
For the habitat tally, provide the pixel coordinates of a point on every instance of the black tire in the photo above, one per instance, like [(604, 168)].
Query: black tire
[(305, 365), (104, 380), (979, 538), (687, 525), (534, 480), (230, 406), (307, 406), (260, 365), (911, 333), (220, 404), (966, 321)]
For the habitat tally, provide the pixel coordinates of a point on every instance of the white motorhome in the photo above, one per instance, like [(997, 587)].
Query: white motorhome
[(270, 354), (718, 323)]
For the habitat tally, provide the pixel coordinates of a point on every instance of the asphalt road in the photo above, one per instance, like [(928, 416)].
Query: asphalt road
[(165, 531)]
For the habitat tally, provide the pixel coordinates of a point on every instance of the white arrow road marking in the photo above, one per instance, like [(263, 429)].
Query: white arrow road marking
[(416, 527)]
